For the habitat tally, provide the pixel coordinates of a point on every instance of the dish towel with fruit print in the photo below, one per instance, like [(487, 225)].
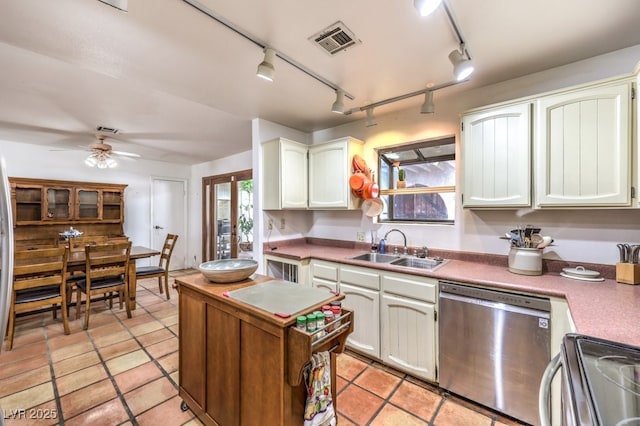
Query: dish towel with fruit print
[(319, 408)]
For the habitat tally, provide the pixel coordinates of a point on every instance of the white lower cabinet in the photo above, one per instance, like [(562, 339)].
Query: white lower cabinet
[(361, 290), (408, 324), (324, 275)]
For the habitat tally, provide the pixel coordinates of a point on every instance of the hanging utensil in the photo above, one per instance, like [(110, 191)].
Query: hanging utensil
[(624, 250)]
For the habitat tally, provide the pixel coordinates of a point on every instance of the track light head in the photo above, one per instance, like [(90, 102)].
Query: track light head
[(427, 106), (426, 7), (371, 120), (338, 105), (266, 69), (462, 66)]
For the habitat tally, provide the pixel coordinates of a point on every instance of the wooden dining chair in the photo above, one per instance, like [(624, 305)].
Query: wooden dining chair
[(39, 280), (162, 270), (106, 272)]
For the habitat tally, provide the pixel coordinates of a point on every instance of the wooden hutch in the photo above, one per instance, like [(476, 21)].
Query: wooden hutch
[(43, 208)]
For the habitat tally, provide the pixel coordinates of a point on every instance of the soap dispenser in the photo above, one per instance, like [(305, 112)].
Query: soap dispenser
[(382, 247)]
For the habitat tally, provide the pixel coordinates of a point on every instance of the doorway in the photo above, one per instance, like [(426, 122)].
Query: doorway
[(168, 216), (227, 216)]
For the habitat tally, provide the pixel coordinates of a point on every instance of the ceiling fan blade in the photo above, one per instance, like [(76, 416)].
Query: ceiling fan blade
[(125, 154)]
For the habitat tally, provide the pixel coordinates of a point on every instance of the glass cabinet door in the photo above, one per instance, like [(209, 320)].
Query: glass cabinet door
[(88, 204), (58, 204)]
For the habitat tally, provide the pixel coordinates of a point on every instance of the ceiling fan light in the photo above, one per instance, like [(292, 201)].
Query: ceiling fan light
[(428, 107), (462, 66), (426, 7), (371, 120), (338, 105), (110, 162), (91, 161), (266, 69)]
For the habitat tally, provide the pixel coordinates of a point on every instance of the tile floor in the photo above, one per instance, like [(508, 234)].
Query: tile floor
[(125, 372)]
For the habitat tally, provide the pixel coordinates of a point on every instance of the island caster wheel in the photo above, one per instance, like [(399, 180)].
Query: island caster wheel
[(184, 406)]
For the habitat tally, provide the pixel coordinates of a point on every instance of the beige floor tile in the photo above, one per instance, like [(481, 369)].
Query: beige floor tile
[(118, 349), (170, 362), (45, 414), (155, 337), (86, 398), (145, 328), (76, 363), (71, 351), (145, 397), (107, 414), (111, 338), (63, 340), (137, 377), (163, 348), (393, 416), (416, 400), (168, 413), (453, 414), (126, 362), (349, 367), (377, 381), (81, 378), (22, 353), (16, 367), (28, 398), (25, 380)]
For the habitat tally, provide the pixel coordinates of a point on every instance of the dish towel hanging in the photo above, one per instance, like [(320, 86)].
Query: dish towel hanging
[(319, 408)]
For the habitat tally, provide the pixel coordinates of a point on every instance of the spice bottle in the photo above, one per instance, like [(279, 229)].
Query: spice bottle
[(301, 322), (311, 323)]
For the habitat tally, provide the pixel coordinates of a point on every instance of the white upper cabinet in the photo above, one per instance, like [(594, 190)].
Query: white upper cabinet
[(496, 155), (583, 143), (329, 171), (284, 175)]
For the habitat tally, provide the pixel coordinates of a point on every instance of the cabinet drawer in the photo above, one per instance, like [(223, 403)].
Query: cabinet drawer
[(361, 277), (327, 271), (410, 286), (301, 344)]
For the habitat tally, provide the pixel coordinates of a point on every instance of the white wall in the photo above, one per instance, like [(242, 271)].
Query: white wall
[(580, 235), (35, 161)]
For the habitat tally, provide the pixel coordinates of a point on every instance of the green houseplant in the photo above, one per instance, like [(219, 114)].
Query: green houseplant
[(401, 182), (245, 220)]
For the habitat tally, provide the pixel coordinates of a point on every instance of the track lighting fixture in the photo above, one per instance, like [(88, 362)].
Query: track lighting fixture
[(371, 120), (266, 69), (426, 7), (338, 105), (462, 66), (427, 106)]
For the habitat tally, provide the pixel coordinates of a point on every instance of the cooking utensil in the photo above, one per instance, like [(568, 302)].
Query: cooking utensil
[(372, 207), (546, 240), (625, 251), (358, 163), (358, 180)]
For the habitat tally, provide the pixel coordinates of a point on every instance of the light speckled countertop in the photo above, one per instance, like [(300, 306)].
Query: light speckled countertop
[(606, 309)]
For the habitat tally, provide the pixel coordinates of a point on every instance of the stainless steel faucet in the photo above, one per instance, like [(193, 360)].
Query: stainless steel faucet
[(405, 250)]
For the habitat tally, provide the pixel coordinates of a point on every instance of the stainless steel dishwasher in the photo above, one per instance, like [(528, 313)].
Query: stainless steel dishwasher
[(494, 347)]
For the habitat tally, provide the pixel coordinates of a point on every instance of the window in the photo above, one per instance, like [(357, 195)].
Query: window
[(417, 181)]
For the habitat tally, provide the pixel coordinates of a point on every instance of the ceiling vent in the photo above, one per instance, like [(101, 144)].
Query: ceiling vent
[(335, 38), (109, 130)]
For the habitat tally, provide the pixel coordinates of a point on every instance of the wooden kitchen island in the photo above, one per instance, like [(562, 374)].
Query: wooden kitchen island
[(241, 365)]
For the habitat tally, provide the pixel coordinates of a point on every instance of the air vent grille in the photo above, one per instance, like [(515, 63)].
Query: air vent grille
[(105, 129), (335, 38)]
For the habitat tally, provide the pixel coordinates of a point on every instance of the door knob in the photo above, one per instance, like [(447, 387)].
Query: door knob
[(158, 227)]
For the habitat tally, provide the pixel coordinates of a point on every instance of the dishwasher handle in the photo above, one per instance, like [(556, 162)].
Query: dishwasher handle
[(544, 395), (495, 305)]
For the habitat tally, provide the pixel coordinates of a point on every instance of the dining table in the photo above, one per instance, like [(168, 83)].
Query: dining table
[(77, 261)]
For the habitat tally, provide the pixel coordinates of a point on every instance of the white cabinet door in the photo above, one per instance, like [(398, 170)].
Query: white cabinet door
[(583, 145), (496, 156), (408, 335), (365, 304), (324, 275), (284, 175), (329, 171)]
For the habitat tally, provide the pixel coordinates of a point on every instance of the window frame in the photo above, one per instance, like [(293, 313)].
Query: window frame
[(416, 145)]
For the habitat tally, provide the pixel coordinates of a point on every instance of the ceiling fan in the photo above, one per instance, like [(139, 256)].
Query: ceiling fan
[(102, 154)]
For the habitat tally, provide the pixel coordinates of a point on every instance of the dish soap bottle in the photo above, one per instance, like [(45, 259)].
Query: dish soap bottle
[(382, 247)]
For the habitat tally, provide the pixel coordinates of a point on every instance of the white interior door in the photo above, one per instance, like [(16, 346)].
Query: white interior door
[(168, 216)]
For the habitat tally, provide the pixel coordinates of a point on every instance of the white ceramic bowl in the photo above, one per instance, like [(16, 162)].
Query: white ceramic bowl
[(228, 270)]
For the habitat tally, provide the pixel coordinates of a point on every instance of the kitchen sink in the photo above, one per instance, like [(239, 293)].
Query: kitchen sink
[(429, 263), (376, 257)]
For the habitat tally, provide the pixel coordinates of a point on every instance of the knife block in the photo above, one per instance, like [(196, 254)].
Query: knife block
[(628, 273)]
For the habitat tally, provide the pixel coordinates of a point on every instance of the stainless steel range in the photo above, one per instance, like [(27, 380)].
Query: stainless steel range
[(600, 382)]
